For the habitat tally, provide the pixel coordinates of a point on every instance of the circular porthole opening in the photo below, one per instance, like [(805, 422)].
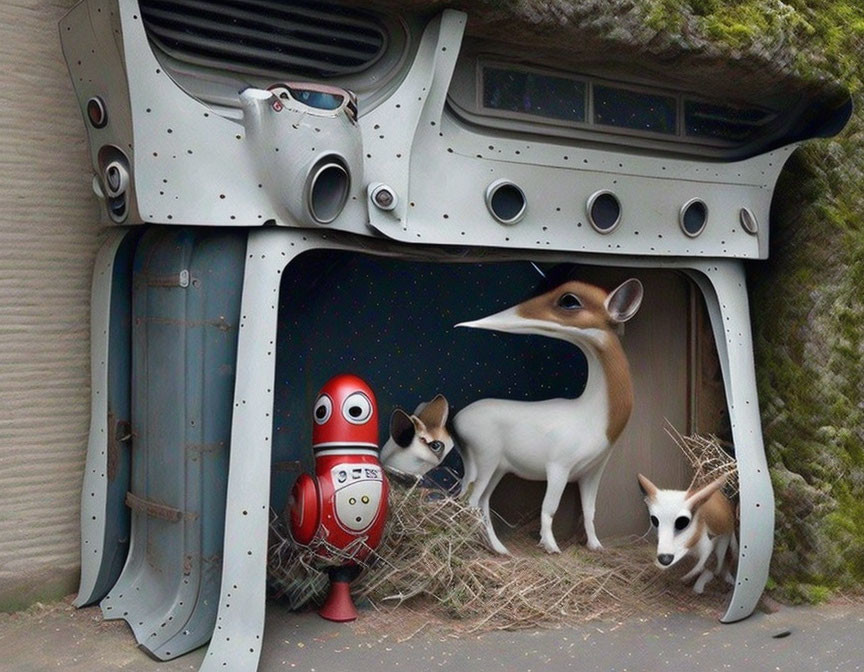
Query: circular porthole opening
[(116, 179), (693, 217), (748, 221), (506, 201), (96, 112), (117, 208), (604, 211), (327, 190)]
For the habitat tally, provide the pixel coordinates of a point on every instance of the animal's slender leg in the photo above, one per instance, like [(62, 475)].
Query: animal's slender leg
[(484, 475), (721, 545), (496, 544), (704, 549), (556, 481), (588, 486), (733, 545), (704, 578)]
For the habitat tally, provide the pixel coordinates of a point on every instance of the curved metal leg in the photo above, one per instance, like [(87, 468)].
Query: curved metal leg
[(104, 517), (724, 287), (236, 642)]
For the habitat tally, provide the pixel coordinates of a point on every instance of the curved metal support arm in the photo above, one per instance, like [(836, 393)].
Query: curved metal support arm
[(99, 566), (723, 285), (236, 642)]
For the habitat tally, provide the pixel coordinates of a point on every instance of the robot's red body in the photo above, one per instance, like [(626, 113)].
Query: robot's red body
[(347, 498)]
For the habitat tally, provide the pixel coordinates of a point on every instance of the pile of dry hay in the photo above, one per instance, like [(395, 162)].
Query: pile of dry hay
[(709, 458), (435, 563)]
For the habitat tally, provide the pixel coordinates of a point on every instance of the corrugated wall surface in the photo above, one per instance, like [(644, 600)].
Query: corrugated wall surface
[(49, 233)]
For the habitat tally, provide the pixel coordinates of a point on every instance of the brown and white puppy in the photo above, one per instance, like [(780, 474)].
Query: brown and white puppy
[(692, 522), (418, 442)]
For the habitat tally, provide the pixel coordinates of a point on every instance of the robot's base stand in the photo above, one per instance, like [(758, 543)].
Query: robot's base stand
[(339, 607)]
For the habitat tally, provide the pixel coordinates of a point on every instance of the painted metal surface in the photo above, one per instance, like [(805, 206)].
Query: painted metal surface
[(196, 164), (104, 516), (185, 308), (236, 643), (724, 287)]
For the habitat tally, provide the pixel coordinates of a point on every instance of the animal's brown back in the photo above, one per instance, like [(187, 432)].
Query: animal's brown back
[(718, 514)]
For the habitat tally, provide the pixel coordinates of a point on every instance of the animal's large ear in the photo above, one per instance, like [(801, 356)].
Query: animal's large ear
[(624, 301), (401, 428), (697, 498), (647, 487), (435, 413)]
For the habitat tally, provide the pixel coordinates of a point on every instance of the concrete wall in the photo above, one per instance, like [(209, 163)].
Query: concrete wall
[(49, 234)]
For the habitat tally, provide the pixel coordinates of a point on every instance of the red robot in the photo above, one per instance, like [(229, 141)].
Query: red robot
[(347, 498)]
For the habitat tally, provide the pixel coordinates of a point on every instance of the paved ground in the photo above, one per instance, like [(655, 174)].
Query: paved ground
[(827, 638)]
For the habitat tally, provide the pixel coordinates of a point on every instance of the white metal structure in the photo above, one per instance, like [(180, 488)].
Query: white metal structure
[(421, 179)]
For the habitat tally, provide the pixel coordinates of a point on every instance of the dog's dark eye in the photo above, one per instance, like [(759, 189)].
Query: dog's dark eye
[(654, 521), (569, 301), (681, 522), (436, 447)]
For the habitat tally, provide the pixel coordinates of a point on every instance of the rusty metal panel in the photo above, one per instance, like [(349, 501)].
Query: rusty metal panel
[(104, 517), (185, 310)]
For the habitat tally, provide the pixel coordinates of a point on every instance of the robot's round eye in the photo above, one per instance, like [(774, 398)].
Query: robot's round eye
[(654, 521), (323, 409), (357, 409), (681, 522)]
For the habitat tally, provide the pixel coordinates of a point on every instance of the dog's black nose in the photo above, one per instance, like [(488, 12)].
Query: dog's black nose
[(665, 559)]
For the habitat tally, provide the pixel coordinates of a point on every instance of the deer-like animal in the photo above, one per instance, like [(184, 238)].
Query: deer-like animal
[(697, 522), (557, 440)]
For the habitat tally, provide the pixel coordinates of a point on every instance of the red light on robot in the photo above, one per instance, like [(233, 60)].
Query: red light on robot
[(96, 112)]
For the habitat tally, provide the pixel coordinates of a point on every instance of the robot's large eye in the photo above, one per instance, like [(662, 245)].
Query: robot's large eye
[(357, 409), (323, 409)]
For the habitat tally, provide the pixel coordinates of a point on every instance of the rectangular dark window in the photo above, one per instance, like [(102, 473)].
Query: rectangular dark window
[(723, 122), (625, 108), (534, 93)]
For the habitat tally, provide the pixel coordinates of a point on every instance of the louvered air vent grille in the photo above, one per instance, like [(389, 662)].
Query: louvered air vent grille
[(300, 37)]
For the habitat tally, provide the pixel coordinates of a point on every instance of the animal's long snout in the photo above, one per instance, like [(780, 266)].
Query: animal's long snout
[(665, 559), (506, 320)]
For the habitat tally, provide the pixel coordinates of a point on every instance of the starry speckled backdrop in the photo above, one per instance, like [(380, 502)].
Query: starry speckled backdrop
[(392, 323)]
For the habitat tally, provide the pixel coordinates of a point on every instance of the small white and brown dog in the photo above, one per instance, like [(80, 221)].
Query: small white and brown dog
[(420, 441), (692, 522)]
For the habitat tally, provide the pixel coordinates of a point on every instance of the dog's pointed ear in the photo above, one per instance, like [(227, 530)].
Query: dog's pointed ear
[(647, 487), (419, 425), (435, 413), (696, 498), (402, 428)]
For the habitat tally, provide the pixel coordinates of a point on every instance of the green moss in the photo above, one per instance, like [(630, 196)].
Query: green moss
[(804, 593), (825, 36), (808, 317)]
